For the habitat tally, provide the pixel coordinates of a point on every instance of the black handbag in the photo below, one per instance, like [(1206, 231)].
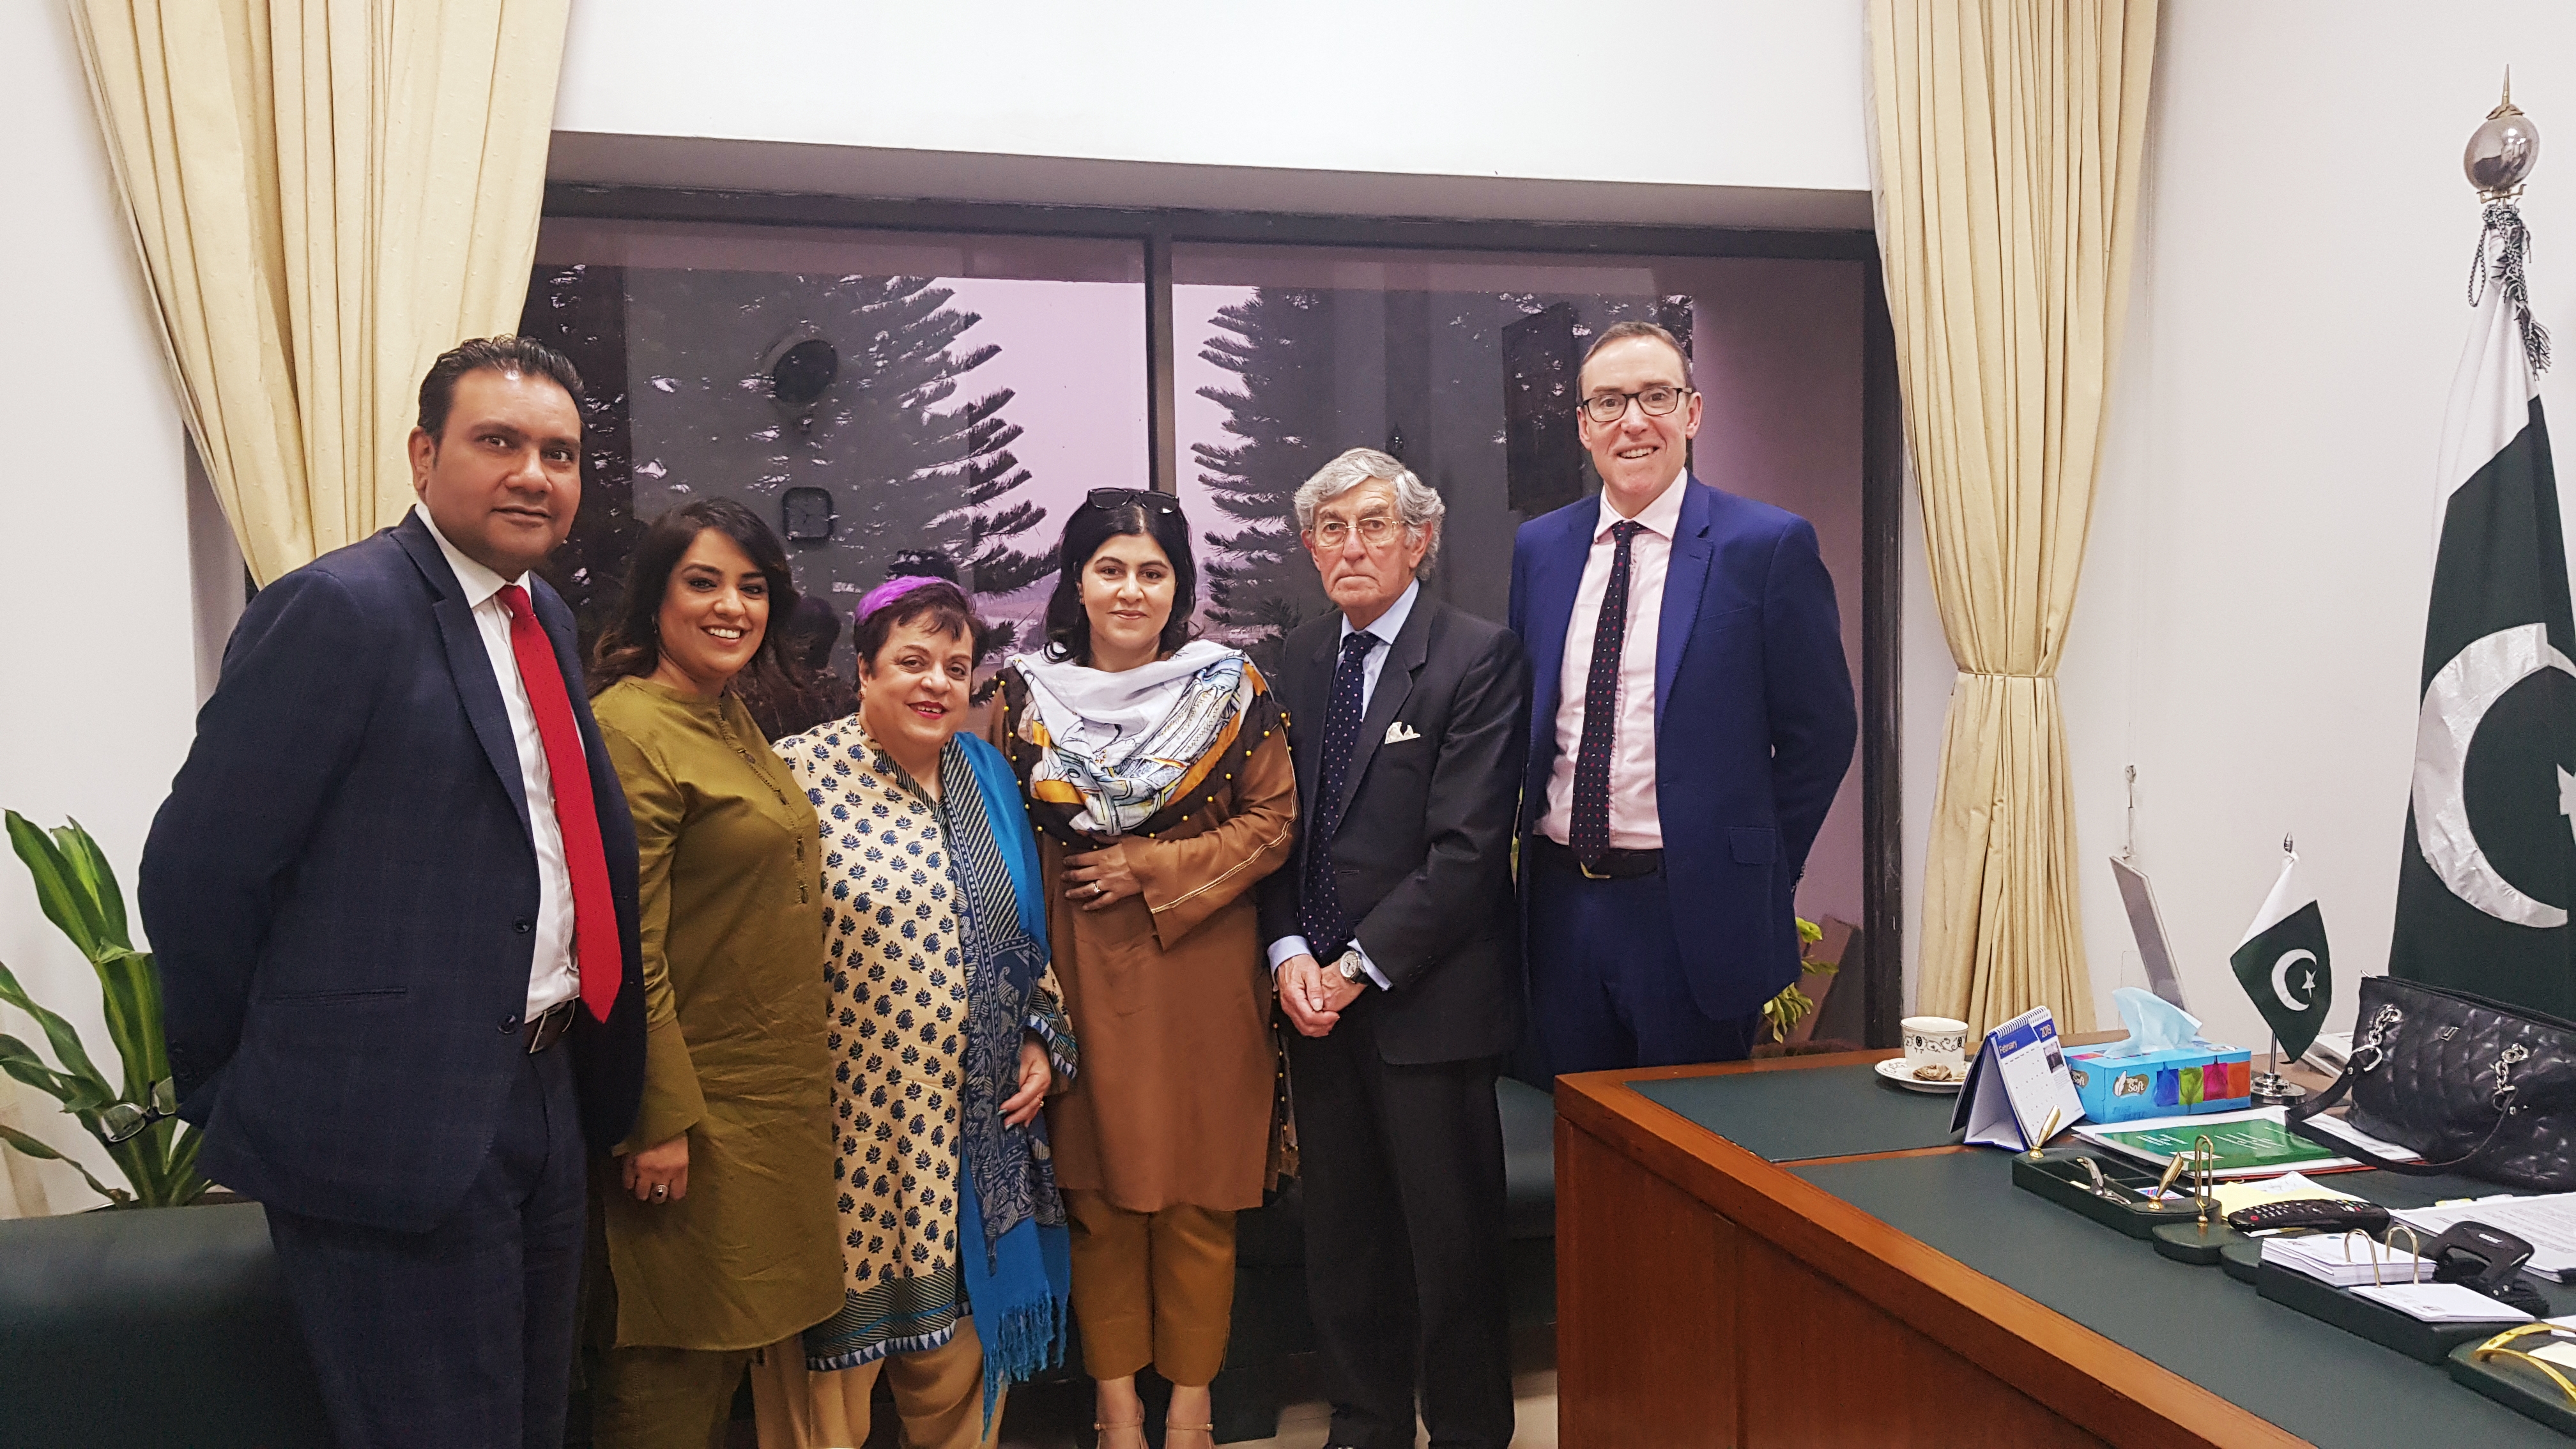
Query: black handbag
[(2478, 1087)]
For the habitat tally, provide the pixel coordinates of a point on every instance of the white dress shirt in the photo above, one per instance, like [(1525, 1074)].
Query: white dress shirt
[(1372, 664), (552, 977), (1634, 825)]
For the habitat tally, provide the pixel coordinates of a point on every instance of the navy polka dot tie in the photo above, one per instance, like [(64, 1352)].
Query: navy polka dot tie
[(1327, 931), (1588, 832)]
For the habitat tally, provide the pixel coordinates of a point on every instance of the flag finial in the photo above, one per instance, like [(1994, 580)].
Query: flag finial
[(2503, 150)]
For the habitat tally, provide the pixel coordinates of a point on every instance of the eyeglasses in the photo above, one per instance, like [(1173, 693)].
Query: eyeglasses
[(1145, 498), (1374, 530), (1610, 407), (121, 1121)]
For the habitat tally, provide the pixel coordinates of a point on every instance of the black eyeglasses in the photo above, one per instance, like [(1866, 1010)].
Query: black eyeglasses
[(1145, 498), (1658, 401), (121, 1121)]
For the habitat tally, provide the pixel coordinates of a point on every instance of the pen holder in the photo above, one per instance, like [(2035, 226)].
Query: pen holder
[(2202, 1244), (2118, 1201), (2516, 1382)]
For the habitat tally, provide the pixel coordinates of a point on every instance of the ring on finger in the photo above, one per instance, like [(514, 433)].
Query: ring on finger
[(661, 1190)]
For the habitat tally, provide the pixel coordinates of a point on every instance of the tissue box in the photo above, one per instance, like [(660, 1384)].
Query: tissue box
[(2182, 1082)]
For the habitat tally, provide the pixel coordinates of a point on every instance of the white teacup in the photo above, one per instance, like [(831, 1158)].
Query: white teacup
[(1936, 1041)]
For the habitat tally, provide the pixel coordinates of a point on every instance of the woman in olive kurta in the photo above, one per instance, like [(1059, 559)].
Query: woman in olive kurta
[(1159, 779), (719, 1234)]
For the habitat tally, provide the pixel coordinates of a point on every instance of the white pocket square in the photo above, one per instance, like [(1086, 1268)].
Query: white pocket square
[(1398, 732)]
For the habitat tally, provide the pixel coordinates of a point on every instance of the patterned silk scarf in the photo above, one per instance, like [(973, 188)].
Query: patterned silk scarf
[(1122, 746)]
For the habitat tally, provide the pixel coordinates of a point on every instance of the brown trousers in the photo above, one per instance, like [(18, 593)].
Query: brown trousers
[(938, 1394), (1151, 1288)]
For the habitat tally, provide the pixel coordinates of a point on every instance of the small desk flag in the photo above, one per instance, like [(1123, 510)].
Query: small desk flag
[(2283, 964)]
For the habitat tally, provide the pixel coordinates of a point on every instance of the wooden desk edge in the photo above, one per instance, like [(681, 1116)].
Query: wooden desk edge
[(2096, 1383)]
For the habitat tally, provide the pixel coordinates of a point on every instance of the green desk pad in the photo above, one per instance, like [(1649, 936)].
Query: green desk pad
[(2307, 1376), (1791, 1116)]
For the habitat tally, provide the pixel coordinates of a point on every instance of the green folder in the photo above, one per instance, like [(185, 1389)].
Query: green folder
[(2253, 1147)]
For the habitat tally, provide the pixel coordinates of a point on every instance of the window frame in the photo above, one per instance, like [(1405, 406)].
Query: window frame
[(1881, 974)]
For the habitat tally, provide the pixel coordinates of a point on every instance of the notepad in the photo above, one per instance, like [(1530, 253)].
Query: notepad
[(2442, 1303), (2325, 1259)]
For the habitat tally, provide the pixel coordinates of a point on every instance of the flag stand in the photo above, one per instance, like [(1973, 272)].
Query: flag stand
[(2271, 1089)]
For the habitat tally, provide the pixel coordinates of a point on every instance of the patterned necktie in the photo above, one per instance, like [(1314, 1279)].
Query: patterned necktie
[(596, 951), (1327, 932), (1587, 833)]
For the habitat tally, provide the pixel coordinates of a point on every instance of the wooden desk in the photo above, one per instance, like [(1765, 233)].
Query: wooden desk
[(1708, 1297)]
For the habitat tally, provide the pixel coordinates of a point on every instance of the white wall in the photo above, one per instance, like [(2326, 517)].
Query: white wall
[(1753, 93), (102, 653), (2252, 611)]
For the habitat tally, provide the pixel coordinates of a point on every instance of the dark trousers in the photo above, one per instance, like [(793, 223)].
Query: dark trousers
[(1403, 1174), (1606, 983), (462, 1335)]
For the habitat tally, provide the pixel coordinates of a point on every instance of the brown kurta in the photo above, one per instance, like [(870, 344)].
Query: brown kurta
[(1169, 992), (735, 1019)]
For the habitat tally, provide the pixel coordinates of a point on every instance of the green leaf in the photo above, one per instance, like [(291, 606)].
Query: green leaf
[(131, 992), (58, 891), (34, 1148), (66, 1042), (90, 864), (20, 1061)]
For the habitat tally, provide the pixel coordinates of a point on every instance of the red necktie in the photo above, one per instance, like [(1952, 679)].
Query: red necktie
[(594, 911)]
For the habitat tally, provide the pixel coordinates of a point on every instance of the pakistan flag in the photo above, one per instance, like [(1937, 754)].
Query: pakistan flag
[(2283, 965), (2489, 869)]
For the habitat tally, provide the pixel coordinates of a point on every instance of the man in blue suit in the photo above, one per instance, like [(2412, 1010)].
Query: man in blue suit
[(392, 896), (1691, 721)]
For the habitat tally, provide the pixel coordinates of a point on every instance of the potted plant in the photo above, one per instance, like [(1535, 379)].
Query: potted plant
[(132, 1116)]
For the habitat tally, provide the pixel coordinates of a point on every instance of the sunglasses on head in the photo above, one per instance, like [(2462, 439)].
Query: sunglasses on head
[(1145, 498)]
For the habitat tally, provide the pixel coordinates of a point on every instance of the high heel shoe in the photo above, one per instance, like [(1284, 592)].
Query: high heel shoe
[(1172, 1431), (1134, 1426)]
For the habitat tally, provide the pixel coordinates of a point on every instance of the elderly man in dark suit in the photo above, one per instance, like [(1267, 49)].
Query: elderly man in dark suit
[(393, 898), (1398, 963), (1693, 720)]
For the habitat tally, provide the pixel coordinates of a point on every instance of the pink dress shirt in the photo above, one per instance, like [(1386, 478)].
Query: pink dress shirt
[(1634, 824)]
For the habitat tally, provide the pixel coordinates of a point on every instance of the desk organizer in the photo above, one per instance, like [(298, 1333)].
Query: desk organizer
[(2184, 1242), (2057, 1178), (2242, 1259), (2515, 1384), (2427, 1342)]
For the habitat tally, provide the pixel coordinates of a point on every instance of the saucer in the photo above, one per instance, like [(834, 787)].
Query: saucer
[(1895, 1070)]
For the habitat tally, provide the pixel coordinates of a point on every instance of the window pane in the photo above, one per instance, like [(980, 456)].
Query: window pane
[(1463, 364), (867, 393)]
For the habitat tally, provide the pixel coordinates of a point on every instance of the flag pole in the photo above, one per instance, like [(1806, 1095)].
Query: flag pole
[(2270, 1088)]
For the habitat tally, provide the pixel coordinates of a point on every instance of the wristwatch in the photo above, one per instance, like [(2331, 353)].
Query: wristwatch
[(1351, 968)]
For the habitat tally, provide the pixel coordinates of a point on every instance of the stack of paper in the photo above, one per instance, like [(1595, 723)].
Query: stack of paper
[(2548, 1223), (2324, 1258), (2442, 1303), (2289, 1187)]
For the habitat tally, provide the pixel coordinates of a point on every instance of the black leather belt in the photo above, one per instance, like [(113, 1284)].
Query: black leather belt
[(1613, 865), (548, 1026)]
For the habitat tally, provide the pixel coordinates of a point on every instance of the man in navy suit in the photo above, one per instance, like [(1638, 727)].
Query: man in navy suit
[(1692, 718), (392, 896)]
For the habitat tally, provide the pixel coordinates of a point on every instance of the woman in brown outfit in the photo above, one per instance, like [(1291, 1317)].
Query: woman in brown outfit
[(1159, 779)]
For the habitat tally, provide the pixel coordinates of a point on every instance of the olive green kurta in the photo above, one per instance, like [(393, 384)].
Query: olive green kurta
[(735, 1014)]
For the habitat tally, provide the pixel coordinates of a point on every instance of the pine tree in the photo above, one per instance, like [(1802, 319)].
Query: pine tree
[(908, 462), (1279, 342)]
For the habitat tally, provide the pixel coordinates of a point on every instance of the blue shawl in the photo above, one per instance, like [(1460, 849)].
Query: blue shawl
[(1017, 1287)]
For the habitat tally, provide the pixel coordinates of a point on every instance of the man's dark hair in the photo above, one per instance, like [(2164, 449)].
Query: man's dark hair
[(1621, 332), (505, 353)]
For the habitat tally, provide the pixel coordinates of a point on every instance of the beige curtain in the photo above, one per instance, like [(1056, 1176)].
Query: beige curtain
[(326, 194), (2006, 139)]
